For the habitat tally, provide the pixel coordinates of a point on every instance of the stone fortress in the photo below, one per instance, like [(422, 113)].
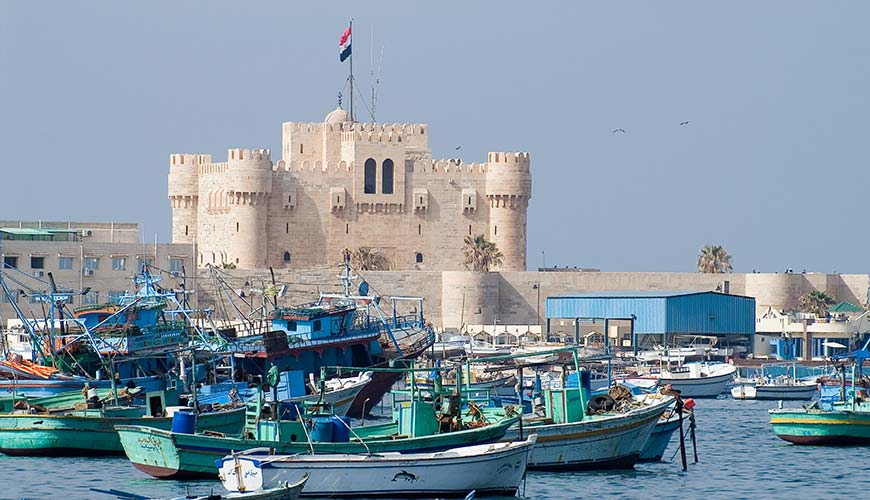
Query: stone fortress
[(343, 184)]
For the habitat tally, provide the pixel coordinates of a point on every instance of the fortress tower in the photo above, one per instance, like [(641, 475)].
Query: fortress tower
[(184, 194), (342, 184), (508, 190)]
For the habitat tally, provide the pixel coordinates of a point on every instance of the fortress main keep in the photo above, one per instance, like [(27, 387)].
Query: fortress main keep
[(343, 184)]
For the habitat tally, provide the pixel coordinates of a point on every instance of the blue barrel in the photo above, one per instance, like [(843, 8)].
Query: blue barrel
[(340, 430), (287, 410), (322, 431), (184, 422)]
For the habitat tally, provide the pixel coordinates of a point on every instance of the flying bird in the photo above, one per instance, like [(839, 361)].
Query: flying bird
[(617, 130), (684, 123), (458, 148)]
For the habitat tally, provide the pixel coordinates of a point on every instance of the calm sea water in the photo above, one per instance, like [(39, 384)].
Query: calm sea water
[(739, 458)]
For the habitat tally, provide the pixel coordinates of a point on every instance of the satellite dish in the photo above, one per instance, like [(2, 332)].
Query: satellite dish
[(364, 288)]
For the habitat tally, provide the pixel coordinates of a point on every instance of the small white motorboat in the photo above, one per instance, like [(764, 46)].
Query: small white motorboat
[(339, 393), (496, 468), (693, 380), (800, 390)]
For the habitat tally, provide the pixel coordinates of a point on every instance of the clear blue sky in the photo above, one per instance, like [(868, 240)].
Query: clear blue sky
[(94, 96)]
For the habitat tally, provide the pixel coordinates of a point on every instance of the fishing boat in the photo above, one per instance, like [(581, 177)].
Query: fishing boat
[(91, 431), (772, 390), (848, 423), (660, 437), (344, 329), (572, 438), (782, 387), (693, 380), (283, 491), (416, 427), (489, 469)]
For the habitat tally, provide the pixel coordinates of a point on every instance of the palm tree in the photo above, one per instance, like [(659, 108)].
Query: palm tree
[(367, 259), (815, 302), (714, 259), (481, 254)]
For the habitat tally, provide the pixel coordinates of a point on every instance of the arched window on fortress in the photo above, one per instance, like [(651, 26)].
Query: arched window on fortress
[(387, 177), (287, 228), (185, 230), (419, 258), (237, 227), (286, 257), (419, 228), (370, 176)]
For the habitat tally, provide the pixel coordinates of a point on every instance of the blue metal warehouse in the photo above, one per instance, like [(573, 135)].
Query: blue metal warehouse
[(662, 313)]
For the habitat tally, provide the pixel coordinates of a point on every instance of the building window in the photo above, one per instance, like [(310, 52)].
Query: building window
[(495, 231), (347, 229), (469, 229), (287, 228), (419, 228), (213, 260), (143, 262), (64, 263), (185, 230), (387, 177), (286, 257), (37, 262), (370, 175), (291, 326), (115, 297), (175, 265), (10, 262), (301, 149), (90, 298), (237, 227), (119, 263), (316, 326), (92, 263), (419, 258)]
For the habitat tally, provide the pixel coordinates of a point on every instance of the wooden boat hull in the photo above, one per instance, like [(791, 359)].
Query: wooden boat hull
[(821, 427), (660, 437), (486, 469), (774, 392), (168, 455), (597, 442), (77, 435)]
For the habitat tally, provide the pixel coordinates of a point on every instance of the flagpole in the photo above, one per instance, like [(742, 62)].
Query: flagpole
[(351, 69)]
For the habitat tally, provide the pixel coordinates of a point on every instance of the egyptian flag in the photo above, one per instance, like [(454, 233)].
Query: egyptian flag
[(344, 45)]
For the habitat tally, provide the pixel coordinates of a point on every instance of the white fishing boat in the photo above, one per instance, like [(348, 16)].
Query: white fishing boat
[(773, 390), (486, 469), (693, 380)]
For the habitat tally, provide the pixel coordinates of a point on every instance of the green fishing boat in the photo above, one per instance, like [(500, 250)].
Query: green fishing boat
[(91, 431), (64, 400), (172, 455), (845, 424)]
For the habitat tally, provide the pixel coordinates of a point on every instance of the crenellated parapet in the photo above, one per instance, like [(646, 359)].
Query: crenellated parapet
[(508, 179), (184, 175)]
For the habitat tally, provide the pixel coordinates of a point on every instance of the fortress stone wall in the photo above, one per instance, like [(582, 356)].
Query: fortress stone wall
[(454, 298), (342, 184)]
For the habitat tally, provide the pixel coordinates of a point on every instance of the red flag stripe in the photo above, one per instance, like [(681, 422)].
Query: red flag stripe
[(344, 37)]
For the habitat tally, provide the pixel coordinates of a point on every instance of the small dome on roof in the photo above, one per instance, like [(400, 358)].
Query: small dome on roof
[(337, 115)]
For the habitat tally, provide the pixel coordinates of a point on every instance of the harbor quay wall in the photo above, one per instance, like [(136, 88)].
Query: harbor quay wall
[(456, 298)]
